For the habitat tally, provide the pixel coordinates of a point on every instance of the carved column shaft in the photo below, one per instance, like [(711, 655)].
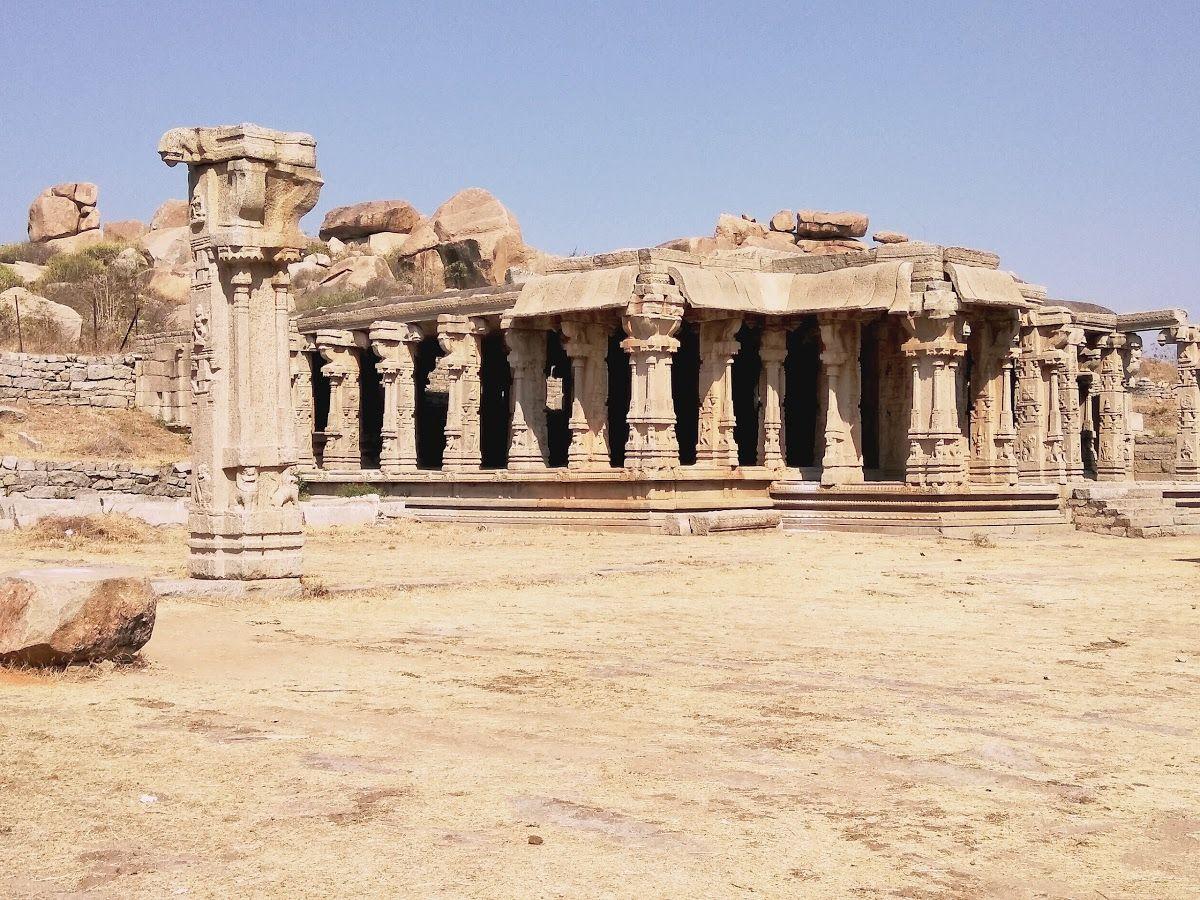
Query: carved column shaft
[(716, 445), (529, 440), (1187, 391), (773, 352), (302, 398), (248, 188), (992, 455), (586, 343), (840, 340), (342, 451), (396, 346), (937, 446), (459, 337), (651, 321), (1111, 463)]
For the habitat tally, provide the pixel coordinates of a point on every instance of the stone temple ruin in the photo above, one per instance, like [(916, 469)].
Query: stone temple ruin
[(908, 385)]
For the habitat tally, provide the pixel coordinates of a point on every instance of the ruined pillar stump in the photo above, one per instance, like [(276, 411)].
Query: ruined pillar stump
[(248, 188)]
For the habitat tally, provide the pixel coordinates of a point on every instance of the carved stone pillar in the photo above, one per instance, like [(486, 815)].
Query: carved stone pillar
[(840, 339), (937, 446), (248, 188), (1133, 365), (771, 386), (342, 451), (1044, 417), (1071, 342), (992, 458), (529, 447), (302, 397), (1186, 338), (459, 337), (716, 445), (586, 343), (651, 321), (396, 345), (1111, 464)]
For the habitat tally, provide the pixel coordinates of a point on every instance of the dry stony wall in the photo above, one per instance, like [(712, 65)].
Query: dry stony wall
[(1154, 457), (65, 479), (69, 380)]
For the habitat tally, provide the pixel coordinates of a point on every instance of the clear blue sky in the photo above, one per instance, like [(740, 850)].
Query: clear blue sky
[(1064, 136)]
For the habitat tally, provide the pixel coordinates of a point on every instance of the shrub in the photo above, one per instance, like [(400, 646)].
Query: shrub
[(38, 254), (71, 268), (38, 333), (95, 532), (9, 279)]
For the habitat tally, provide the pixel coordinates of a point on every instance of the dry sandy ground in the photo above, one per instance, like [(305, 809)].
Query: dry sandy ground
[(783, 715)]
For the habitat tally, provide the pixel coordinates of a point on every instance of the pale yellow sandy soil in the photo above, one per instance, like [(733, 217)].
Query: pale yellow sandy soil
[(762, 715)]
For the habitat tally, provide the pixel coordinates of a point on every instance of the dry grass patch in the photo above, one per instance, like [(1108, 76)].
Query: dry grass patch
[(74, 432), (94, 533)]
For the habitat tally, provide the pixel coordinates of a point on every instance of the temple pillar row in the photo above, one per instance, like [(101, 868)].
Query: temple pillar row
[(1112, 463), (993, 433)]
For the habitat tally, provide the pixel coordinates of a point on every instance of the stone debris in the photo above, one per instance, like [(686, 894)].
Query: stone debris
[(58, 616), (63, 211), (889, 237)]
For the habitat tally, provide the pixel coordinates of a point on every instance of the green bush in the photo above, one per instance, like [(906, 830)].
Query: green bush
[(104, 252), (38, 254), (9, 279), (71, 268), (354, 490)]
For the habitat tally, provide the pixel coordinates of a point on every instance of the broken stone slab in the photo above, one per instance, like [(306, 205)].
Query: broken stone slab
[(58, 616), (326, 512), (714, 521), (217, 587)]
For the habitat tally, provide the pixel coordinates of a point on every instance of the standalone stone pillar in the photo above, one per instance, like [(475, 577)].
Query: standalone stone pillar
[(302, 398), (1186, 338), (937, 445), (586, 343), (248, 188), (840, 339), (716, 446), (771, 387), (529, 447), (1111, 463), (396, 346), (342, 451), (459, 337), (651, 321)]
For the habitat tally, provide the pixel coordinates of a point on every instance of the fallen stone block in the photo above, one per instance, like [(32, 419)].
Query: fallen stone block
[(58, 616)]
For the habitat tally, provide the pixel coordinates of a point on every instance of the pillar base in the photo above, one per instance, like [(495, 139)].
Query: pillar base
[(831, 476), (245, 546)]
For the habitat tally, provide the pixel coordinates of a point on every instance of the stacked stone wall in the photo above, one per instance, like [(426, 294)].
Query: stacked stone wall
[(163, 383), (67, 479), (68, 380), (1154, 457)]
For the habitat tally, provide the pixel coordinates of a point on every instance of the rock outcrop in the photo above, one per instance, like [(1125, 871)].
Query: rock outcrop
[(361, 220), (476, 215), (889, 237), (63, 211), (172, 214), (60, 616), (355, 273), (128, 230), (818, 224), (31, 307)]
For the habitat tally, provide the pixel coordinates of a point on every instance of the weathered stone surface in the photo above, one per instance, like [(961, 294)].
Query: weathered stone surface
[(58, 616), (67, 379), (703, 246), (476, 215), (889, 237), (169, 285), (385, 242), (774, 240), (829, 248), (422, 237), (373, 217), (130, 230), (31, 306), (784, 220), (737, 228), (326, 512), (172, 214), (814, 223), (356, 272), (86, 193), (169, 246), (27, 272), (76, 242), (10, 414), (52, 216)]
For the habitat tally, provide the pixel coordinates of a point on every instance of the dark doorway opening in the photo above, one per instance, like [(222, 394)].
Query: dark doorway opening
[(685, 392), (801, 375), (320, 397), (431, 408), (746, 374), (558, 417), (868, 403), (620, 384), (370, 410), (495, 393)]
